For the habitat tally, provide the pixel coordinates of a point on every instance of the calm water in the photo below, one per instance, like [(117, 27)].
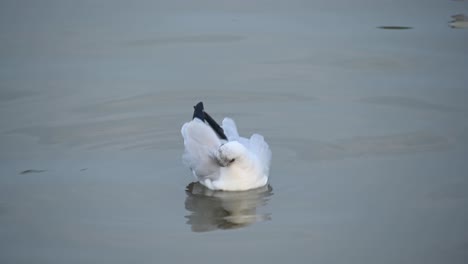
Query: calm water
[(362, 102)]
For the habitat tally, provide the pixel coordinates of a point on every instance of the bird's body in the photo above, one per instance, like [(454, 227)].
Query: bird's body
[(222, 160)]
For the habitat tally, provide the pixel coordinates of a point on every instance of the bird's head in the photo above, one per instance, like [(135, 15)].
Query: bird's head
[(230, 153)]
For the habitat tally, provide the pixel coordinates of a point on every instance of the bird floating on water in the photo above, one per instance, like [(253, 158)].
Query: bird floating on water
[(219, 158)]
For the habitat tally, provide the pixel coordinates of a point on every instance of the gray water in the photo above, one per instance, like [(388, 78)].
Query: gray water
[(362, 102)]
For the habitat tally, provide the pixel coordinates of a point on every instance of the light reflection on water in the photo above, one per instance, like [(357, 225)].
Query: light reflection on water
[(459, 21), (213, 210)]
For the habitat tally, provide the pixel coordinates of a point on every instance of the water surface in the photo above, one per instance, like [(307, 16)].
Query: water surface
[(368, 128)]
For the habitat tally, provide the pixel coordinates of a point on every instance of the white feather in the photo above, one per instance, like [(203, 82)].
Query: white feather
[(262, 150), (230, 129), (239, 164)]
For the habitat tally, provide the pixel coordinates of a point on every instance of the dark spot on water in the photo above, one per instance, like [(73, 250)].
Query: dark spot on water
[(32, 171), (394, 27), (83, 169), (459, 17)]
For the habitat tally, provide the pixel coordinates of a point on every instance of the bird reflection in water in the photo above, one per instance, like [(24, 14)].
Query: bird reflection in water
[(211, 210)]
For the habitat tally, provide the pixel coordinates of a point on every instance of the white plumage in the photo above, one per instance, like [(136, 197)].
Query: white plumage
[(234, 165)]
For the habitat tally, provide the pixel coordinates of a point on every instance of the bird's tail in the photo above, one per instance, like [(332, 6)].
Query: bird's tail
[(199, 112)]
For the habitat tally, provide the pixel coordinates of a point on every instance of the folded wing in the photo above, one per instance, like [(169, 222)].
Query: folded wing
[(230, 129), (258, 146), (200, 142)]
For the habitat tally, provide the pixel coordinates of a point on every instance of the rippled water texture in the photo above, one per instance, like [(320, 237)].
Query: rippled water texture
[(364, 104)]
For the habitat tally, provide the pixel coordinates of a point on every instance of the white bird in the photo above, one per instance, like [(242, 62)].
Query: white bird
[(222, 160)]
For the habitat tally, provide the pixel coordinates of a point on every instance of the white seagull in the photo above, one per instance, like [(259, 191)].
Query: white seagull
[(222, 160)]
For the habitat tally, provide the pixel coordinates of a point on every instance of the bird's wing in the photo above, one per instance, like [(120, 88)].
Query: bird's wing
[(230, 129), (259, 147), (200, 142)]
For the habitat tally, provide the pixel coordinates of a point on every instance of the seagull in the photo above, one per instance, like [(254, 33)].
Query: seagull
[(219, 158)]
